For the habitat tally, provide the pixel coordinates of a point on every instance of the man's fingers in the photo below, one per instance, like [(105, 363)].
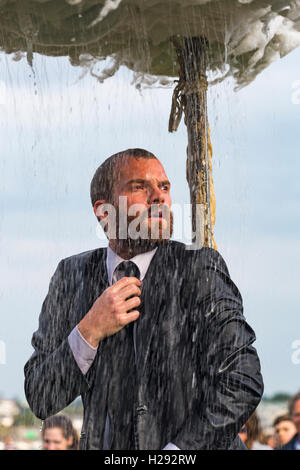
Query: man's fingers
[(125, 281), (129, 291), (132, 303), (129, 317)]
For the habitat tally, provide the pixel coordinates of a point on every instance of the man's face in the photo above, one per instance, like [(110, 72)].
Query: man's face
[(284, 431), (146, 187), (296, 415)]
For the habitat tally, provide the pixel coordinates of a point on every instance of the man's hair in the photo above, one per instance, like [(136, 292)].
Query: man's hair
[(292, 403), (104, 178), (282, 418)]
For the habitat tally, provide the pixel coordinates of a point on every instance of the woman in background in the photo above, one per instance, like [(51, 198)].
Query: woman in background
[(58, 433), (251, 434)]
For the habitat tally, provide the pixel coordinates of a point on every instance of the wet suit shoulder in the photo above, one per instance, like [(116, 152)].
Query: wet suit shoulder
[(230, 381), (52, 377)]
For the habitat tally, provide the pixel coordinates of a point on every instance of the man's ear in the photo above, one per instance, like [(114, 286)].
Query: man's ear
[(99, 209), (106, 215)]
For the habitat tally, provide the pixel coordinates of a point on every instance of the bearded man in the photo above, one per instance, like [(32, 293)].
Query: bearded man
[(150, 334)]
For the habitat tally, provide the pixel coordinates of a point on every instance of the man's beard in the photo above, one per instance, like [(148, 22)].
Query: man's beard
[(138, 234), (160, 228)]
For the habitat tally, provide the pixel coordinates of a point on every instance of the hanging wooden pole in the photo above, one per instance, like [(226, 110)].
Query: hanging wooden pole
[(190, 96)]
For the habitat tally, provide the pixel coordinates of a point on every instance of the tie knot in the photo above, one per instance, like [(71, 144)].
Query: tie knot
[(126, 269)]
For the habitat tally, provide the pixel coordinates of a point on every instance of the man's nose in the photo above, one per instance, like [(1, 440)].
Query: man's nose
[(156, 195)]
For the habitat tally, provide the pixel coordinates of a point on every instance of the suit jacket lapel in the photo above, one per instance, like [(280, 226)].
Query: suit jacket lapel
[(96, 281), (152, 306), (96, 276)]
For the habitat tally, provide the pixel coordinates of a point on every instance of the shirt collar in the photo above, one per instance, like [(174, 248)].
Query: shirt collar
[(142, 261)]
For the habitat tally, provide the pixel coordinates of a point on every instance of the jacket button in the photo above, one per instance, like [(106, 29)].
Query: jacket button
[(141, 410)]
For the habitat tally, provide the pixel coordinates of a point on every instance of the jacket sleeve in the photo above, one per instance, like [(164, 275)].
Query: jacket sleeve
[(52, 377), (229, 382)]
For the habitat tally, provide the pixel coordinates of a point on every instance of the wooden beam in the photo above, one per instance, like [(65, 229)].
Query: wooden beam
[(191, 97)]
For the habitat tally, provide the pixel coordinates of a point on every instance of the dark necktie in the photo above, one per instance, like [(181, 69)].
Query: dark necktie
[(122, 384), (126, 269)]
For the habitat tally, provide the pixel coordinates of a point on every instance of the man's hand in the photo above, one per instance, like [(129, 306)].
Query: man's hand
[(108, 314)]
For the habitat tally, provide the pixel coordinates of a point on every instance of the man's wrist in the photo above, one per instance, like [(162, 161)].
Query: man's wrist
[(83, 352), (86, 332)]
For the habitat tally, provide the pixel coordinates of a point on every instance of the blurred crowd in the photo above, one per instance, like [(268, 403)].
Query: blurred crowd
[(284, 436), (58, 432)]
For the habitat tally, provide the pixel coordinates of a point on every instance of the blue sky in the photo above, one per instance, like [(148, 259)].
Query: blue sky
[(55, 130)]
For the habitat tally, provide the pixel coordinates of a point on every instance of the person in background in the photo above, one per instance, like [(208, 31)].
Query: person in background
[(284, 428), (251, 434), (9, 444), (58, 433), (294, 412), (269, 440)]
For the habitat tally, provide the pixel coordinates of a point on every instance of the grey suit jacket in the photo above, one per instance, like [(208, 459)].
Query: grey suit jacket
[(197, 379)]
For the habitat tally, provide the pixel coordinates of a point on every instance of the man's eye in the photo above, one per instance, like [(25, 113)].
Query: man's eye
[(136, 187)]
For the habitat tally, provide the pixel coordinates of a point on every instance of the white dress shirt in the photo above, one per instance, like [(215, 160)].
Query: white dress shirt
[(83, 352)]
